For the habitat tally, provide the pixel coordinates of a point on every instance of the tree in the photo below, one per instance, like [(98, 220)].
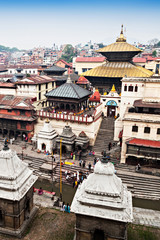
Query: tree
[(68, 53), (154, 53), (100, 45)]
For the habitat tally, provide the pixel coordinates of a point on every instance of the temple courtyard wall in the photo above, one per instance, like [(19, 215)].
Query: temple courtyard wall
[(91, 129)]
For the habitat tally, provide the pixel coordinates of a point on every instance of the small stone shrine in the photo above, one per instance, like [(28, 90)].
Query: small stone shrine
[(68, 139), (102, 204), (46, 139), (82, 143), (16, 193)]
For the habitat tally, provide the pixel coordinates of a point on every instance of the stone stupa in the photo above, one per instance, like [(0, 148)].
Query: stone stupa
[(102, 204)]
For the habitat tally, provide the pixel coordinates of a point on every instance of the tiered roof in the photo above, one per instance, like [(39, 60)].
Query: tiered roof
[(103, 195), (15, 176)]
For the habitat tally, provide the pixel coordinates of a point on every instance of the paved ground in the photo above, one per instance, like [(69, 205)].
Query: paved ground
[(140, 216)]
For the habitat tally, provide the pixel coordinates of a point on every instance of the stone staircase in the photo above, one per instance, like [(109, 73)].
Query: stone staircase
[(105, 135)]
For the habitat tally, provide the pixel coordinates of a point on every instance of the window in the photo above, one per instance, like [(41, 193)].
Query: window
[(9, 110), (39, 96), (22, 112), (147, 130), (10, 71), (84, 69), (23, 125), (130, 88), (39, 87), (29, 71), (136, 88), (52, 84), (134, 128), (26, 71), (125, 88), (33, 71), (46, 85), (158, 130), (104, 100)]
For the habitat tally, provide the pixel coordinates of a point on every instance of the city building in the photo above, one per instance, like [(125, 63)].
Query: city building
[(83, 64), (17, 117), (138, 123), (36, 87)]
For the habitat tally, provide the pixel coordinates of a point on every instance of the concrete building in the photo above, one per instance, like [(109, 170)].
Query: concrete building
[(83, 64), (102, 204), (139, 120), (36, 87)]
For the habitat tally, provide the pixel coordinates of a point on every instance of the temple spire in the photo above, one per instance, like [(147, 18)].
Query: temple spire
[(69, 79), (121, 37)]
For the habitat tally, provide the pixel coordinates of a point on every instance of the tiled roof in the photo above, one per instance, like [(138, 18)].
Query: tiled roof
[(17, 117), (34, 80), (90, 59), (118, 70), (7, 85), (54, 68), (73, 76), (23, 66), (95, 97), (139, 60), (144, 142), (119, 47), (82, 80), (69, 90), (11, 101)]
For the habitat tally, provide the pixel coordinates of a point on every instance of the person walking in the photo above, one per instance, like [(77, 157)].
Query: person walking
[(109, 146)]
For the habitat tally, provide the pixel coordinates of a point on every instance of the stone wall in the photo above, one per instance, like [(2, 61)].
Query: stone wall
[(86, 226)]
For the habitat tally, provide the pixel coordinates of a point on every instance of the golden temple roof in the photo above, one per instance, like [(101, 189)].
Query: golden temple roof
[(120, 45), (118, 70)]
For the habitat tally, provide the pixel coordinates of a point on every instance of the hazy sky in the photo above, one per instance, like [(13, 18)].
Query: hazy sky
[(32, 23)]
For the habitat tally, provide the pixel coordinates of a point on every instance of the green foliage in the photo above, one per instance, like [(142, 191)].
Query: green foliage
[(68, 53), (139, 232), (154, 53), (8, 49), (157, 44), (100, 45)]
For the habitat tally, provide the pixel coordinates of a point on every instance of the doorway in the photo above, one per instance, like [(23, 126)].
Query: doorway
[(98, 235)]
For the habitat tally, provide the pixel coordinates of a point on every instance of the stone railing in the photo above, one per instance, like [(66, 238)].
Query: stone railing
[(73, 118)]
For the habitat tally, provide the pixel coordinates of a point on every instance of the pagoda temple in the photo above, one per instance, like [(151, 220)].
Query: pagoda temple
[(68, 97), (118, 65), (102, 204)]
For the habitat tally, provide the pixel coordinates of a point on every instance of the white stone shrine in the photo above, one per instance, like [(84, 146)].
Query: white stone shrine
[(46, 137), (102, 205)]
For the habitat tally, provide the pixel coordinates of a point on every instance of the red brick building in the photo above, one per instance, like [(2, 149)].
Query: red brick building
[(17, 117)]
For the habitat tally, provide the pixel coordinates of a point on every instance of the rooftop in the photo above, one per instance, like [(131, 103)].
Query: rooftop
[(34, 80), (68, 90), (118, 70), (16, 102), (90, 59), (54, 68)]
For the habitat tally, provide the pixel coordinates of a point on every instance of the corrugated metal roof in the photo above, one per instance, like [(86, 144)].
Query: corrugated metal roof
[(119, 47), (144, 142), (69, 90), (118, 70), (55, 68)]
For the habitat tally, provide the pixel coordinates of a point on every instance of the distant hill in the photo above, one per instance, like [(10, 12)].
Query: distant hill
[(8, 49)]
